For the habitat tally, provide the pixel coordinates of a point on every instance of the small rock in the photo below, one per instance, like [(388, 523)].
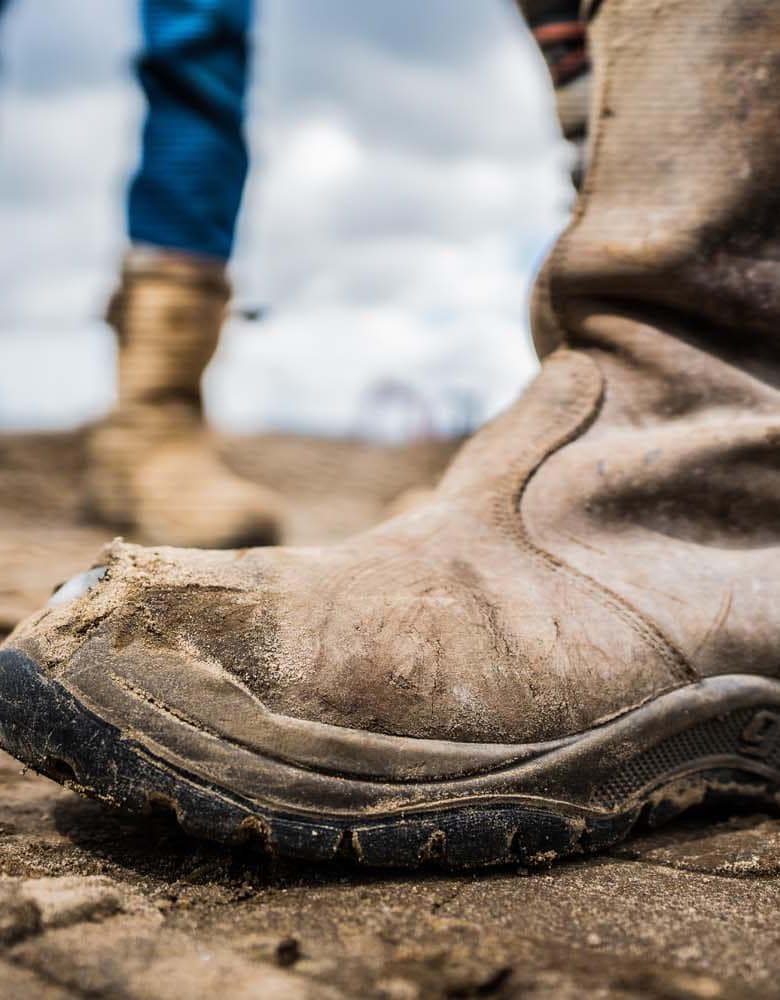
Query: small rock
[(288, 952)]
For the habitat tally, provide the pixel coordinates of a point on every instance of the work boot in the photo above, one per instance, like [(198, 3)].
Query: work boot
[(559, 28), (153, 467), (581, 628)]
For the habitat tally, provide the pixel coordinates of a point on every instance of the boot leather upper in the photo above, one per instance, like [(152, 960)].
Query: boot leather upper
[(612, 536), (529, 601)]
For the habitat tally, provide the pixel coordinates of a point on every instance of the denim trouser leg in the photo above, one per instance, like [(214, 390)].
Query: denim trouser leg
[(193, 69)]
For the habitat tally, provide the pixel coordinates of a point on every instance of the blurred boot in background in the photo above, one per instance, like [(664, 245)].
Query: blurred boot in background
[(153, 469), (559, 29)]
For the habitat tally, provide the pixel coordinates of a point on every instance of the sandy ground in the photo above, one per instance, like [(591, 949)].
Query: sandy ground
[(94, 905)]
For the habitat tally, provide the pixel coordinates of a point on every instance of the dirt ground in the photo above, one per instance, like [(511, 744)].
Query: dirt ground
[(93, 904)]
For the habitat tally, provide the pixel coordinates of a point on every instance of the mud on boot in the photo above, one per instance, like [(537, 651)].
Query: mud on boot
[(580, 628)]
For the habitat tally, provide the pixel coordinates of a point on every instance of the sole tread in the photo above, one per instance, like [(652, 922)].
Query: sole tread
[(44, 726)]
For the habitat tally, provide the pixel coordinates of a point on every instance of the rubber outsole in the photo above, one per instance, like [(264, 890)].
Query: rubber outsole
[(733, 753)]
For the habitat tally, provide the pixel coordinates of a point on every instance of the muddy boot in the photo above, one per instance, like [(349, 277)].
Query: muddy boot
[(154, 471), (581, 628), (560, 32)]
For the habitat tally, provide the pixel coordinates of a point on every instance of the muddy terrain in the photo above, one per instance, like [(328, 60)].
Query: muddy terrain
[(93, 904)]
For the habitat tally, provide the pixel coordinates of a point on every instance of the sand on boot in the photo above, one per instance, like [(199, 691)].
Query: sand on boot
[(95, 904)]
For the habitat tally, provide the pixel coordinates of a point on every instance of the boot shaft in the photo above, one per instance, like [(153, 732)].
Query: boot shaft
[(679, 213), (668, 281), (167, 312)]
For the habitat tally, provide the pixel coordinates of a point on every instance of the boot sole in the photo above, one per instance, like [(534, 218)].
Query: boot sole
[(713, 740)]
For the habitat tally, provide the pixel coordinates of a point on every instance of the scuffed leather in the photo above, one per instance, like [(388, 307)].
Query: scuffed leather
[(612, 536), (449, 622), (669, 277)]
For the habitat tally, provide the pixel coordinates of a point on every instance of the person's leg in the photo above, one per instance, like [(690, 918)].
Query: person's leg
[(582, 627), (559, 29), (193, 70), (153, 471)]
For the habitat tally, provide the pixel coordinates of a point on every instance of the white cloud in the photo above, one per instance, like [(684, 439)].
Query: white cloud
[(407, 176)]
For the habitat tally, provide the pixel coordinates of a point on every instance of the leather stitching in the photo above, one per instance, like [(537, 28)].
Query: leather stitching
[(573, 421)]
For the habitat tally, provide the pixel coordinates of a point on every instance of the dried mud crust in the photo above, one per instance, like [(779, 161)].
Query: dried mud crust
[(331, 487), (45, 726)]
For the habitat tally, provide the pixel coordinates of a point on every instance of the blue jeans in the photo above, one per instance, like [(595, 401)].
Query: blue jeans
[(193, 69)]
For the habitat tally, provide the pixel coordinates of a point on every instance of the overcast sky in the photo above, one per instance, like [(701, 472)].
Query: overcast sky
[(407, 176)]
